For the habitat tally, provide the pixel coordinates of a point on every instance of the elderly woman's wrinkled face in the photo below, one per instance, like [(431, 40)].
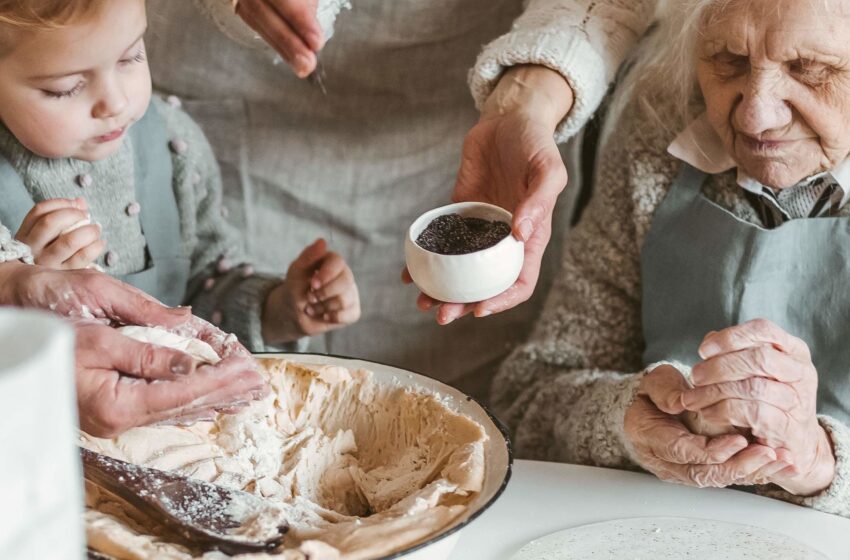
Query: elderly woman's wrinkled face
[(775, 75)]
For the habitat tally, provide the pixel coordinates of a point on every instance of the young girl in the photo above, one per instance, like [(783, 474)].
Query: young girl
[(96, 173)]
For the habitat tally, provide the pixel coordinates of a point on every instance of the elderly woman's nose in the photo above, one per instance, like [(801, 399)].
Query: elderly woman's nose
[(761, 108)]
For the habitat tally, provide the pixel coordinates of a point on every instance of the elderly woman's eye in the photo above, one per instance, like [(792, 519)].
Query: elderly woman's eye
[(729, 65), (810, 72)]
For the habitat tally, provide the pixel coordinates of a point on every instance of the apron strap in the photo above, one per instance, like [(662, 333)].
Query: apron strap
[(160, 218), (16, 199)]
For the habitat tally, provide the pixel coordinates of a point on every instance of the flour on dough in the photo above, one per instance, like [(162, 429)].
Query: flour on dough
[(198, 349)]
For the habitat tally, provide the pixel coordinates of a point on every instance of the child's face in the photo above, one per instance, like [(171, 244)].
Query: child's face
[(75, 91)]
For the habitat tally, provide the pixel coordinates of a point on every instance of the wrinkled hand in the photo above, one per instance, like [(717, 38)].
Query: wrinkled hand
[(114, 393), (47, 231), (664, 447), (318, 295), (112, 370), (510, 159), (759, 377), (290, 27)]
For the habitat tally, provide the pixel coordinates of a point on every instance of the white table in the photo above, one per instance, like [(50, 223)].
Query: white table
[(542, 498)]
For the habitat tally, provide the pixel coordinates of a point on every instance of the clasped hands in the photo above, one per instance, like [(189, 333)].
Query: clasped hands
[(755, 377)]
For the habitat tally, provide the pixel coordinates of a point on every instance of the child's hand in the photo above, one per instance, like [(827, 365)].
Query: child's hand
[(318, 295), (52, 231)]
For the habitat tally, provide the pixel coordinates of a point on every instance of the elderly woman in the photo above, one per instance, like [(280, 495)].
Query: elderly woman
[(705, 284)]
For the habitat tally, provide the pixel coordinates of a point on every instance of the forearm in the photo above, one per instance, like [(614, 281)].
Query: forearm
[(572, 416), (537, 92), (584, 41)]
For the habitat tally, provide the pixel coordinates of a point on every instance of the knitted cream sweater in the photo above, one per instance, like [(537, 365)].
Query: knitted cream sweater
[(565, 392)]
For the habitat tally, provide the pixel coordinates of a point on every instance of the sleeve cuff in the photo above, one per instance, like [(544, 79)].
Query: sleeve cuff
[(835, 499), (242, 313), (567, 52)]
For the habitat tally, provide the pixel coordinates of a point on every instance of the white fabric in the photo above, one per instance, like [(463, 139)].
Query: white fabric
[(12, 249), (356, 166), (700, 146), (40, 478)]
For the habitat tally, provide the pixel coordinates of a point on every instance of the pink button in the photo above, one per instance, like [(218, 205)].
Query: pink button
[(216, 318), (247, 271), (223, 265), (209, 284), (111, 258), (174, 101), (196, 178), (178, 146), (84, 180), (133, 209)]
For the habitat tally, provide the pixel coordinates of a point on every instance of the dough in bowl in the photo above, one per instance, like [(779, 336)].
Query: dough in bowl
[(359, 469)]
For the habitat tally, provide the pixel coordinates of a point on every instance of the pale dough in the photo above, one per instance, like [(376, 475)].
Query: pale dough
[(359, 469), (198, 349)]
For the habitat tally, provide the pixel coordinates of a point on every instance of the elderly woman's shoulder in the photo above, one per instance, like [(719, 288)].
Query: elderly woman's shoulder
[(636, 141)]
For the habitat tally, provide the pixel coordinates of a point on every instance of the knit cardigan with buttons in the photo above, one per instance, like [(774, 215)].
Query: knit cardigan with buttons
[(223, 288)]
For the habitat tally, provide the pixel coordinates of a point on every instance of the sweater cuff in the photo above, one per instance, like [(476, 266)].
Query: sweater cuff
[(242, 311), (566, 51), (835, 498)]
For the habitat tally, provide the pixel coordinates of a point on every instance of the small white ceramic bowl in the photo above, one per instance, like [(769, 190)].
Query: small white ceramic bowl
[(464, 278)]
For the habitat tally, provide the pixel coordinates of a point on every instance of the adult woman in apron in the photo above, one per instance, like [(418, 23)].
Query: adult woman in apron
[(357, 159), (715, 299)]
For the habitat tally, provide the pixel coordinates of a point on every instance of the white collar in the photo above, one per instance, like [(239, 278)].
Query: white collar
[(700, 146)]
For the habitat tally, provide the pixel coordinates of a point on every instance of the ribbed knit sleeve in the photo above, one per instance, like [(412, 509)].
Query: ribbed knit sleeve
[(583, 40)]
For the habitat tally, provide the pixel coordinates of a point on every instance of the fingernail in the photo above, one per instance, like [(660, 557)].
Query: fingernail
[(709, 349), (315, 283), (302, 65), (526, 228), (312, 298), (309, 311), (182, 365), (485, 313)]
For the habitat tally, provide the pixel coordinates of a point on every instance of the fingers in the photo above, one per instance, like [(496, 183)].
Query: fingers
[(102, 347), (130, 306), (76, 249), (547, 178), (85, 256), (769, 424), (665, 386), (50, 226), (110, 404), (280, 34), (774, 393), (302, 17), (742, 467), (760, 361), (660, 436), (226, 345), (406, 277), (753, 333), (310, 257), (46, 207), (332, 269)]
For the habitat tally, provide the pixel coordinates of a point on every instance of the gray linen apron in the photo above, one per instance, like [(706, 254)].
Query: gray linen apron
[(355, 166), (167, 273), (704, 269)]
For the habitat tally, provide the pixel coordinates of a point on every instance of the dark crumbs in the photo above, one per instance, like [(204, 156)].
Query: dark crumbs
[(454, 234)]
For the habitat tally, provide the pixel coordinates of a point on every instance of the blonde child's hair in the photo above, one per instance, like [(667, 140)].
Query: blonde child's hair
[(45, 14)]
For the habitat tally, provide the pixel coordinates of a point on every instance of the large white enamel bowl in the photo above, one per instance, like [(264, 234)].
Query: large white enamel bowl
[(498, 453)]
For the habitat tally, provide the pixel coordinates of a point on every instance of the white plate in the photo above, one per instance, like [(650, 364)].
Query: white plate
[(497, 470), (666, 538)]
